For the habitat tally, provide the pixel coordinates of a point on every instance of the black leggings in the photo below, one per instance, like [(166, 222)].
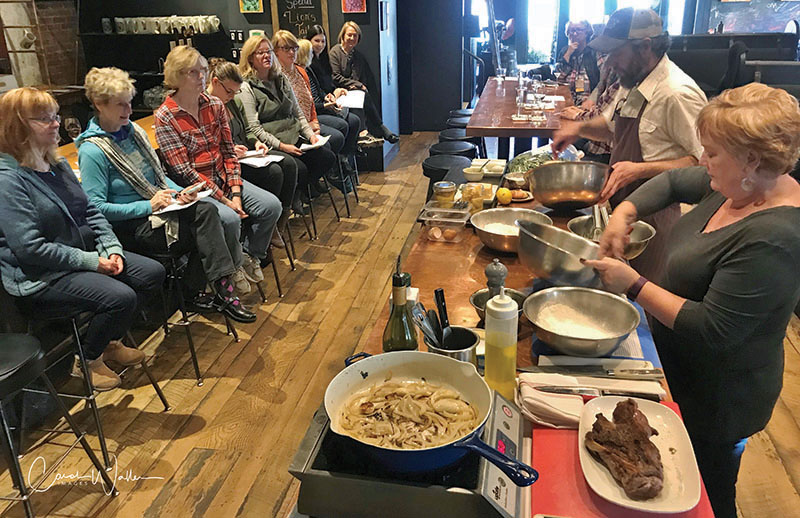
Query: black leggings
[(371, 116), (278, 178), (312, 164)]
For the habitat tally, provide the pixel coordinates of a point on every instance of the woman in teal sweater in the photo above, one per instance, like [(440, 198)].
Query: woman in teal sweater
[(123, 177)]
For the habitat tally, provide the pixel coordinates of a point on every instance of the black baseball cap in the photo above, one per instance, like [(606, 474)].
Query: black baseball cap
[(625, 25)]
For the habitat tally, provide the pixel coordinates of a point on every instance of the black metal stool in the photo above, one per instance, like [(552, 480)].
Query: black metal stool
[(436, 167), (451, 134), (457, 122), (21, 363), (171, 262), (454, 147), (54, 356), (464, 112)]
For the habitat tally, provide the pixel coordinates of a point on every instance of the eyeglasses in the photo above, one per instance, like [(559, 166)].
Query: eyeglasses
[(47, 120), (229, 92), (575, 31), (260, 53), (289, 49), (196, 72)]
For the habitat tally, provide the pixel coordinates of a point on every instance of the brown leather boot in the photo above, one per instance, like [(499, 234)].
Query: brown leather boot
[(119, 353), (103, 378)]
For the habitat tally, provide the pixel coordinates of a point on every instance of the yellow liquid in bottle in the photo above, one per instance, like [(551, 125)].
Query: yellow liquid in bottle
[(501, 364)]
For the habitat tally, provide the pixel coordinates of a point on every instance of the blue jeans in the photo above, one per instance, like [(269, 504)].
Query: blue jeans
[(112, 300), (255, 232)]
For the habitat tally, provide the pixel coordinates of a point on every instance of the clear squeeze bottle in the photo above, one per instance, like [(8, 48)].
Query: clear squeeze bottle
[(501, 344)]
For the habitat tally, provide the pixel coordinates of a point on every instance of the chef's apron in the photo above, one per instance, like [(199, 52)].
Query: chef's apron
[(652, 262)]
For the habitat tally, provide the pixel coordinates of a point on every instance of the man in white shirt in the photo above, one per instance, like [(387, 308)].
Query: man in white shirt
[(651, 123)]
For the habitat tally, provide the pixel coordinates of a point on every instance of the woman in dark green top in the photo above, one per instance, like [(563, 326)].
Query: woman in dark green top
[(279, 178), (731, 280)]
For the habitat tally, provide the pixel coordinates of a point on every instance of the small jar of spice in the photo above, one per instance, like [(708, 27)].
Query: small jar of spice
[(444, 191)]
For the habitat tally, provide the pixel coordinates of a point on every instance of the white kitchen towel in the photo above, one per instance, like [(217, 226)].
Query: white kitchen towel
[(564, 410), (544, 408)]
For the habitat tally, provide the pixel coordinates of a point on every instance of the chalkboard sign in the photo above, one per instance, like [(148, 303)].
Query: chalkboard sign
[(297, 16)]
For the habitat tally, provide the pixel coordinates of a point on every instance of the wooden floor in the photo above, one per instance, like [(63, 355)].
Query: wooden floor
[(224, 448)]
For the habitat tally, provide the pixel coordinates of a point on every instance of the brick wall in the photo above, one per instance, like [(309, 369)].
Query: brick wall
[(59, 25)]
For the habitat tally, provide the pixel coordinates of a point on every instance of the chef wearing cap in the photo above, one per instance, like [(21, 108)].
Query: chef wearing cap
[(651, 123)]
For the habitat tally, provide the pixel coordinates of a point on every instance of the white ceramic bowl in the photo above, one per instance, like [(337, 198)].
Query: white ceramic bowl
[(473, 174)]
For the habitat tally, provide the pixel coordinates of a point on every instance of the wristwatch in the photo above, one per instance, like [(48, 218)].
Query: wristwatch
[(636, 287)]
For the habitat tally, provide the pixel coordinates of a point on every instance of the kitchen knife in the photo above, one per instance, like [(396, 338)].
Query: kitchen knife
[(597, 371), (594, 392)]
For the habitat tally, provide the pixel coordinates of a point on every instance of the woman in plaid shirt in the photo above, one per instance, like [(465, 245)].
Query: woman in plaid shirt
[(195, 140)]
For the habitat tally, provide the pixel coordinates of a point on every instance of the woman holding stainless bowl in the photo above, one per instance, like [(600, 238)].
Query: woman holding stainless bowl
[(731, 279)]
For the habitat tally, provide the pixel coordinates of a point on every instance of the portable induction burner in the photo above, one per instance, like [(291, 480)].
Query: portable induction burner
[(338, 479)]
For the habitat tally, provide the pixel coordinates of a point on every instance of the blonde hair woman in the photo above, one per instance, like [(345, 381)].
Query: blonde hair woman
[(275, 117), (731, 281), (123, 177), (58, 253), (195, 140), (351, 71)]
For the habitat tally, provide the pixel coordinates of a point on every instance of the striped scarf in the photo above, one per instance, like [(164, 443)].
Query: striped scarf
[(127, 169)]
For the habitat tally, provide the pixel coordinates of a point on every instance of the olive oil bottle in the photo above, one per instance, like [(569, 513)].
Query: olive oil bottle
[(400, 333)]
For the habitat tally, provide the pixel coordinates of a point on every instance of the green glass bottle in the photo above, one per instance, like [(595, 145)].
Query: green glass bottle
[(400, 333)]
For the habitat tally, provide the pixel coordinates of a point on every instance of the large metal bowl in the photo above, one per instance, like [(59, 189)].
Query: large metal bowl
[(501, 242), (610, 312), (641, 234), (554, 255), (568, 185)]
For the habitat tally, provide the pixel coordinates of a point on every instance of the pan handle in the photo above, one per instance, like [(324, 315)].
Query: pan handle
[(350, 360), (520, 473)]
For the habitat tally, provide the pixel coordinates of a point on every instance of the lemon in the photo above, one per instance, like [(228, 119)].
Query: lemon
[(503, 196)]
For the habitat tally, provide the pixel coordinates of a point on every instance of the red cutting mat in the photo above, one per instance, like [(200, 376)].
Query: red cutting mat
[(562, 491)]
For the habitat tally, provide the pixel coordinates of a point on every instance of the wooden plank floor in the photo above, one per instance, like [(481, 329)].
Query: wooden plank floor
[(224, 448)]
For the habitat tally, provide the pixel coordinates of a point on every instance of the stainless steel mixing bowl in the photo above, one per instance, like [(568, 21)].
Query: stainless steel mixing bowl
[(554, 255), (502, 242), (641, 234), (479, 299), (612, 314), (568, 185)]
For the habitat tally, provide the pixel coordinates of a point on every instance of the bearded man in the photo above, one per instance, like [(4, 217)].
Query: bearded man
[(651, 123)]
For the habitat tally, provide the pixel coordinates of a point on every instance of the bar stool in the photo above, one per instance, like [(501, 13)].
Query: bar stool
[(21, 363), (54, 356), (457, 122), (455, 147), (464, 112), (436, 167), (452, 134), (175, 287)]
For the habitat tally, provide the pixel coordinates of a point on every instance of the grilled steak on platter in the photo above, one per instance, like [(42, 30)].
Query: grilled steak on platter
[(624, 448)]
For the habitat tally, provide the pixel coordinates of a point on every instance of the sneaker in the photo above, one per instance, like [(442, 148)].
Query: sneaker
[(240, 282), (117, 352), (102, 377), (252, 269)]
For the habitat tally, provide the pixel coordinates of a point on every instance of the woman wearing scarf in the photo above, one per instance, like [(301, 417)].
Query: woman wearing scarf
[(123, 177)]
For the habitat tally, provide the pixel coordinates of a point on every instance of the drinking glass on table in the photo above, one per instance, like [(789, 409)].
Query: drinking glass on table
[(537, 90)]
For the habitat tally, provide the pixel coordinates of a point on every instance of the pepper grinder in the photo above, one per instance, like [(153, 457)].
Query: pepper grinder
[(496, 274)]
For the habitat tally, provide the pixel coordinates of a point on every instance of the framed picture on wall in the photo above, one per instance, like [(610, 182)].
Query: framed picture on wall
[(354, 6), (251, 6), (255, 32)]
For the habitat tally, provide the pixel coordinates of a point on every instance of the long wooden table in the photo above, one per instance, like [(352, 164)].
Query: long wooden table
[(70, 152), (498, 102)]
